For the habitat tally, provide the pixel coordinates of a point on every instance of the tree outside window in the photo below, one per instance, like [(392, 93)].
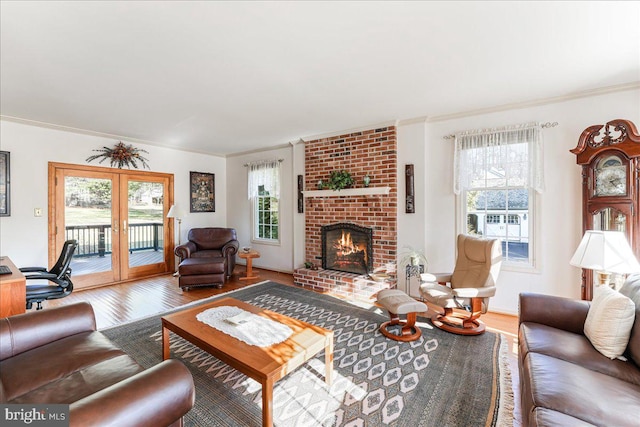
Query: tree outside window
[(266, 214)]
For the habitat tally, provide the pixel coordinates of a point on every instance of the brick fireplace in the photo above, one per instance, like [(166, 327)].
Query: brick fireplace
[(372, 152)]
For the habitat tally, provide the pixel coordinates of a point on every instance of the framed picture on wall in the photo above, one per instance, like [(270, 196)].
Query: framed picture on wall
[(203, 192), (5, 184)]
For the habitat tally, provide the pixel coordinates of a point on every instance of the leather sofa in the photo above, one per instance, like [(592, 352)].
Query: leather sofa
[(564, 380), (56, 356), (211, 242)]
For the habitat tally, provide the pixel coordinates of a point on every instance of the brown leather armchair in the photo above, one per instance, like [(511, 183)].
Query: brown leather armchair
[(211, 242), (56, 356)]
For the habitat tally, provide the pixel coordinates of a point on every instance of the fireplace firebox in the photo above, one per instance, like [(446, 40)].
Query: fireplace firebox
[(347, 247)]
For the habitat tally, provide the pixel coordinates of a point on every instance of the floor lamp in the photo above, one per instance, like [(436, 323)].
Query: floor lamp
[(176, 212)]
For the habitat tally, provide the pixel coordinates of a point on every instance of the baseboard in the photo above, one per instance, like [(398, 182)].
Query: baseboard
[(275, 270)]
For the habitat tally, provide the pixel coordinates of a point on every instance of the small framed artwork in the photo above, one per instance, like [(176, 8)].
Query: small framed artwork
[(300, 195), (410, 206), (5, 184), (203, 191)]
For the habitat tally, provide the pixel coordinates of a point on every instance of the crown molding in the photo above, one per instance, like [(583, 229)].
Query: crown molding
[(346, 131), (535, 103), (63, 128), (259, 150)]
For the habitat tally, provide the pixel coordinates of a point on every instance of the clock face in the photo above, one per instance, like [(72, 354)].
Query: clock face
[(611, 180)]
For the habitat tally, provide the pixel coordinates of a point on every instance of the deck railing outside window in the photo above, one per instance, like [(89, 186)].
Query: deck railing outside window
[(96, 239)]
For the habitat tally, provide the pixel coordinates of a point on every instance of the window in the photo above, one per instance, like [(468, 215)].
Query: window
[(497, 176), (266, 214), (264, 192)]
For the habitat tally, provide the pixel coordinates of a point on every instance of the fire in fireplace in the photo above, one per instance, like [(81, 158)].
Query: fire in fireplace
[(347, 247)]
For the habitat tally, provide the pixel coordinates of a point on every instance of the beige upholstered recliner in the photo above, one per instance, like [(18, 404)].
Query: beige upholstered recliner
[(472, 282)]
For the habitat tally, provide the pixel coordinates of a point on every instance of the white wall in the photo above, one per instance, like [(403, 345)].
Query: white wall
[(411, 227), (274, 257), (560, 205), (23, 237)]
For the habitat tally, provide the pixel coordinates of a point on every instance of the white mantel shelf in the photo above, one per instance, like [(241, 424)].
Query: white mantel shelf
[(368, 191)]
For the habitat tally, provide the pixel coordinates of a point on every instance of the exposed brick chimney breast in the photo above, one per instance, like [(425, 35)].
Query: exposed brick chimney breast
[(372, 152)]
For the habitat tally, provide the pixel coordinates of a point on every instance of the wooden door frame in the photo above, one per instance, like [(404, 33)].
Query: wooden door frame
[(169, 258), (54, 215)]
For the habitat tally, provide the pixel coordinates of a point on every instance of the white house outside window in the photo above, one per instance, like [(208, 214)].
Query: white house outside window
[(264, 193), (498, 173)]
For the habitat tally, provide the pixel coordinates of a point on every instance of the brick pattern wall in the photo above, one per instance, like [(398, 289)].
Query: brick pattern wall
[(374, 152)]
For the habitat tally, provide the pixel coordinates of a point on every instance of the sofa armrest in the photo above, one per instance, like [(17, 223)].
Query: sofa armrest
[(158, 396), (184, 251), (34, 329), (558, 312), (230, 248)]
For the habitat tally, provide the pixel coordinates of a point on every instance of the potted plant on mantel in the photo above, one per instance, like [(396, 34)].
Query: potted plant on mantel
[(340, 179)]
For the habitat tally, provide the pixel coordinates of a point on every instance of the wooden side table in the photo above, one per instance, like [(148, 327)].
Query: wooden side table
[(249, 256)]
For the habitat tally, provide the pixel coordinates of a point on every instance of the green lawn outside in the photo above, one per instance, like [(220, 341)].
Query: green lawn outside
[(96, 216)]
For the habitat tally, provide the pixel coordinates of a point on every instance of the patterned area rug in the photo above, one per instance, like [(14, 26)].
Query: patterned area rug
[(441, 379)]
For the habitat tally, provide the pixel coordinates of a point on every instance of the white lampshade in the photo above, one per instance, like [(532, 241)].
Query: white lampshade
[(175, 212), (606, 251)]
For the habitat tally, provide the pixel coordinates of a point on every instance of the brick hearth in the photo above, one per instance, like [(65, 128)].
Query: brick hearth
[(341, 284), (372, 152)]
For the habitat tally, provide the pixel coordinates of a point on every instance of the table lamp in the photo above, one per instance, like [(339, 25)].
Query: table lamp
[(605, 252)]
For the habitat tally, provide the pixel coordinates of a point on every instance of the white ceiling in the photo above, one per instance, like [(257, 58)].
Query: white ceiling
[(229, 77)]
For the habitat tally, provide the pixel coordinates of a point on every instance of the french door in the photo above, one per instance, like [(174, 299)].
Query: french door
[(118, 218)]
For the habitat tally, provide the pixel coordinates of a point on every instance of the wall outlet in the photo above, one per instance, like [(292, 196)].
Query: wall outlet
[(37, 212)]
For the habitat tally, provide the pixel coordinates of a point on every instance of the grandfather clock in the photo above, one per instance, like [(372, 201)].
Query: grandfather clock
[(610, 159)]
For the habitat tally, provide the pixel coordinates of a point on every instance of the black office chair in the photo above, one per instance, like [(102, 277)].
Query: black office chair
[(58, 280)]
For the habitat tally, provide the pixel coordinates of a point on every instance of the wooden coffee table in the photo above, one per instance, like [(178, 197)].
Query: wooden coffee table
[(264, 364)]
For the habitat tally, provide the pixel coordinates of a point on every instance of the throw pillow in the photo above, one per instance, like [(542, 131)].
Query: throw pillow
[(609, 321)]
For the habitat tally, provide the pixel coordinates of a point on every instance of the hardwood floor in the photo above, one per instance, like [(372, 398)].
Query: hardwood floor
[(125, 302)]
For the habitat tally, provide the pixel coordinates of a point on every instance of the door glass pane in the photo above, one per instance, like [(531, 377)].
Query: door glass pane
[(145, 223), (87, 216)]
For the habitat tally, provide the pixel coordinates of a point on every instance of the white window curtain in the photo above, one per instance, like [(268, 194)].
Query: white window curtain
[(266, 173), (510, 156)]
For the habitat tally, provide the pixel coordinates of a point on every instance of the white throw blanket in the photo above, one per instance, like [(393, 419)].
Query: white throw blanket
[(245, 326)]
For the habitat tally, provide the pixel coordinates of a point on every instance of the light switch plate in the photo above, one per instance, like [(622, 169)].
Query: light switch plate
[(37, 212)]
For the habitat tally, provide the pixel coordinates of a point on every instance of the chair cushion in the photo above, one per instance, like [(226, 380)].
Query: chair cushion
[(578, 392), (96, 364), (397, 302), (198, 266), (438, 295), (609, 321), (207, 253)]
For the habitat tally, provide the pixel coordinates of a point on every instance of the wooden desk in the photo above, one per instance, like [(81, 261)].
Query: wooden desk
[(13, 290)]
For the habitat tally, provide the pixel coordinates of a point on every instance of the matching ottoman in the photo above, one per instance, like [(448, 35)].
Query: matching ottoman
[(209, 271), (397, 302)]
